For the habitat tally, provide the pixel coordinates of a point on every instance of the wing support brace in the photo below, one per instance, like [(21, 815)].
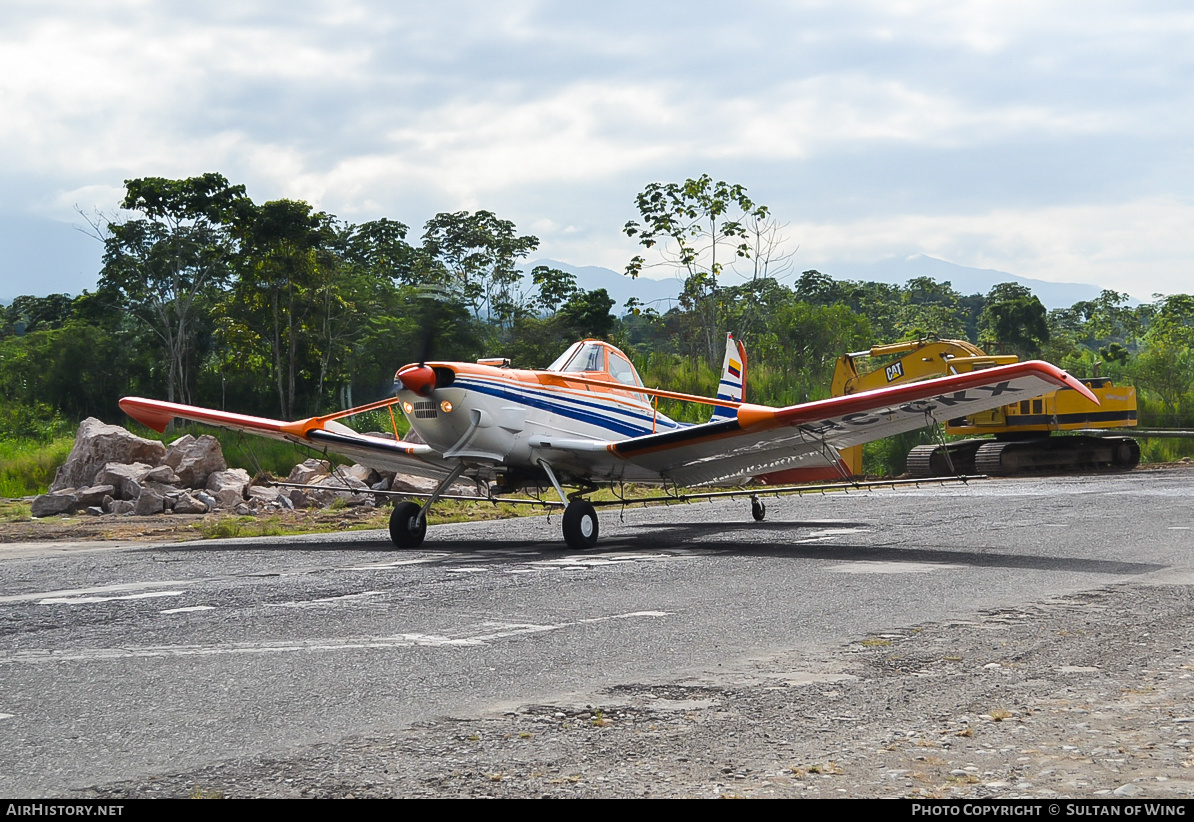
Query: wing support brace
[(453, 475), (551, 475)]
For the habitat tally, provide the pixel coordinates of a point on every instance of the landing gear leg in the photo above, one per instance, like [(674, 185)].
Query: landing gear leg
[(757, 509), (580, 525), (408, 522), (580, 517)]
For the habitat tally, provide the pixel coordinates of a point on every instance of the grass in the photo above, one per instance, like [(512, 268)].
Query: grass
[(1156, 450), (875, 642), (14, 511), (27, 466)]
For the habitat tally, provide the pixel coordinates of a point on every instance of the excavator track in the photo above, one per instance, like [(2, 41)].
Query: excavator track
[(951, 459), (1038, 454), (1054, 454)]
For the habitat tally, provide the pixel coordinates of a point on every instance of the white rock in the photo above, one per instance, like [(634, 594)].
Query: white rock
[(97, 444), (229, 486), (163, 474), (194, 460), (360, 472), (309, 471), (149, 502), (94, 495), (188, 504), (125, 478)]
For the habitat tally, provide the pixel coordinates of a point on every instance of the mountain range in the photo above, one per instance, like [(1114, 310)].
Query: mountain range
[(40, 257), (661, 293)]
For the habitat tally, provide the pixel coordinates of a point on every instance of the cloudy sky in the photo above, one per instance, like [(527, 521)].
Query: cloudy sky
[(1052, 140)]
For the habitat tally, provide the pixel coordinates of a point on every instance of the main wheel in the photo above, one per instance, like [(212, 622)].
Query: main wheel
[(580, 525), (757, 509), (406, 529)]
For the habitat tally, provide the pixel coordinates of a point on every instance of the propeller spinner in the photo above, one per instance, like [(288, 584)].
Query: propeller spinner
[(417, 378)]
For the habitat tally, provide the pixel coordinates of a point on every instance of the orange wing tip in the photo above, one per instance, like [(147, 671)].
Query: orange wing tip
[(1081, 388), (149, 416), (751, 415), (1065, 378)]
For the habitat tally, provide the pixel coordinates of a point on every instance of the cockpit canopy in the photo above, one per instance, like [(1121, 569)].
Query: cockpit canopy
[(589, 356)]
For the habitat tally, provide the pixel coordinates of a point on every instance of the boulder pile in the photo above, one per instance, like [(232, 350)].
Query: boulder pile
[(112, 471)]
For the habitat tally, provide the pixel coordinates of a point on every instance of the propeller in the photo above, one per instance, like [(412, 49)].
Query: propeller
[(420, 378)]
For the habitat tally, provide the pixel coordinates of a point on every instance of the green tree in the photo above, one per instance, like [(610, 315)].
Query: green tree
[(285, 267), (697, 226), (930, 309), (1166, 364), (27, 313), (816, 288), (1014, 316), (475, 255), (79, 369), (554, 288), (166, 264), (358, 286)]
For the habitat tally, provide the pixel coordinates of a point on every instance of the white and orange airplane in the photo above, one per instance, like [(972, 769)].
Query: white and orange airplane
[(587, 421)]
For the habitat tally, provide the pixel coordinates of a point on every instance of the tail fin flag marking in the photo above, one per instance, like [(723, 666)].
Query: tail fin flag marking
[(732, 387)]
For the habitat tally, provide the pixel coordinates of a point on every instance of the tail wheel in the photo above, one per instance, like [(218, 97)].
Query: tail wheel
[(580, 525), (406, 528), (757, 509)]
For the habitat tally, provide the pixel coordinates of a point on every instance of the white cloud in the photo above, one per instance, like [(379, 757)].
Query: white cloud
[(1050, 140), (1137, 247)]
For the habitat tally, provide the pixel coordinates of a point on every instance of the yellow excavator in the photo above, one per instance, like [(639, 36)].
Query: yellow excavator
[(1022, 432)]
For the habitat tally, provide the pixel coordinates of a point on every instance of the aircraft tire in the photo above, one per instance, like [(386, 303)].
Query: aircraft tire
[(580, 525), (406, 531), (757, 509)]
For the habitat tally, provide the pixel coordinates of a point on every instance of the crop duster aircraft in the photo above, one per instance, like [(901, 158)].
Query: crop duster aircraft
[(587, 420)]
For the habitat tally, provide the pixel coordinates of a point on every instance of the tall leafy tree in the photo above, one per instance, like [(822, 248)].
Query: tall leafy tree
[(359, 287), (698, 226), (930, 309), (165, 263), (1013, 315), (1166, 365), (476, 256), (285, 262)]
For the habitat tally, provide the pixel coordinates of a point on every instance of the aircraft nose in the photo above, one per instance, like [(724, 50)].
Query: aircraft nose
[(417, 378)]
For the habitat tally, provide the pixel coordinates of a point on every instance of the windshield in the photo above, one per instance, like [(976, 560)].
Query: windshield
[(589, 357), (558, 363)]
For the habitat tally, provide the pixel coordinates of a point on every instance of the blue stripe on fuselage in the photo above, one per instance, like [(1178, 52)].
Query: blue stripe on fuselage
[(538, 398)]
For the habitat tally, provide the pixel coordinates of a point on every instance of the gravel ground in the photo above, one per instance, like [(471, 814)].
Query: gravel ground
[(1082, 696)]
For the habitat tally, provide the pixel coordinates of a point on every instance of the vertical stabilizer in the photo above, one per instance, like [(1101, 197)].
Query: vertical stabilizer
[(733, 379)]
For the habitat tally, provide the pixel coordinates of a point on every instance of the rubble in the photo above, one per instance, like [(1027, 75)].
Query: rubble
[(97, 444), (113, 472)]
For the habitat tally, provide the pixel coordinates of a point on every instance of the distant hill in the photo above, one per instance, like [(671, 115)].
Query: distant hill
[(659, 294), (896, 270), (899, 270), (41, 257)]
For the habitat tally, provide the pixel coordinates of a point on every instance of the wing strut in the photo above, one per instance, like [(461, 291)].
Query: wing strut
[(551, 475), (939, 429), (453, 475)]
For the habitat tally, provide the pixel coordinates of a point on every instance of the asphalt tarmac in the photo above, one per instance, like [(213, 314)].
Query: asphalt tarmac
[(121, 663)]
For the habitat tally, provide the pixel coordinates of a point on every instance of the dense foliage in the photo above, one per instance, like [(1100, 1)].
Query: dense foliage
[(275, 308)]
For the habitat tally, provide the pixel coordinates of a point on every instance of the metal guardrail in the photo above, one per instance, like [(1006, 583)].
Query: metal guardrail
[(1141, 433)]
